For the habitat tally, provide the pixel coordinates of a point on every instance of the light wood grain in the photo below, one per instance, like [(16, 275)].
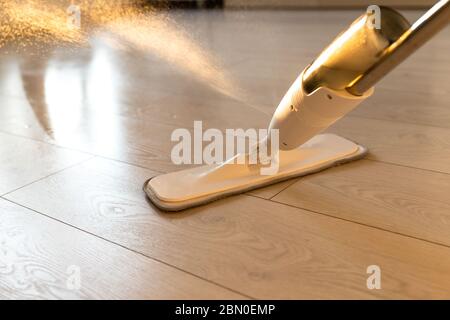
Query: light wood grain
[(40, 256), (405, 200), (118, 126), (23, 161), (407, 106), (406, 144), (124, 105), (141, 96), (259, 248)]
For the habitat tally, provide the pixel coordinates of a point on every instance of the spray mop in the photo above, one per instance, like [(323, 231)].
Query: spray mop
[(341, 77)]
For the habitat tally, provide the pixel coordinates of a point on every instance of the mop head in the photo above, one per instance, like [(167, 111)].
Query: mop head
[(197, 186)]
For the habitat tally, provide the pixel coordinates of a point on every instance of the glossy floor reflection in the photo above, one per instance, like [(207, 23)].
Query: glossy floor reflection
[(82, 129)]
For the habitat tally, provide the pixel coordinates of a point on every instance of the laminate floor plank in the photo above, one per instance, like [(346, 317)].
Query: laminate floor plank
[(403, 200), (404, 144), (23, 161), (254, 246), (63, 115), (41, 258), (406, 107)]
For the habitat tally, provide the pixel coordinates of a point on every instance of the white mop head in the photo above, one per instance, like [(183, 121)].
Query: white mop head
[(188, 188)]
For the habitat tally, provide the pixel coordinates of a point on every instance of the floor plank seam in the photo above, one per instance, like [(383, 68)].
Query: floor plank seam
[(49, 175), (46, 142), (130, 249), (82, 151), (130, 164), (256, 196), (398, 121), (404, 166), (294, 180), (356, 222), (162, 172)]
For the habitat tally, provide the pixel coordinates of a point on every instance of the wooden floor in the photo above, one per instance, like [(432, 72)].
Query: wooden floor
[(81, 131)]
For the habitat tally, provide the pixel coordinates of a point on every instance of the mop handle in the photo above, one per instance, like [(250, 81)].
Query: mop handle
[(420, 32)]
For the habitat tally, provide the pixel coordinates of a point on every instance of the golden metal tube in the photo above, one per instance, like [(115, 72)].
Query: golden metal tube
[(355, 50), (360, 56), (421, 31)]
